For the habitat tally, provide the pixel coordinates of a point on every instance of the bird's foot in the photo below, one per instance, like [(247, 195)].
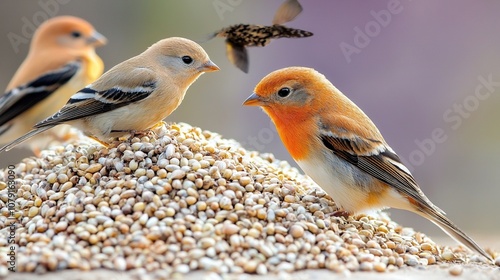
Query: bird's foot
[(105, 144), (37, 151), (159, 124), (341, 213), (135, 133)]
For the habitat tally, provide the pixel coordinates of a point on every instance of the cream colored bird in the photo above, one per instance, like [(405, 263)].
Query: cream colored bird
[(133, 96), (341, 149), (61, 61)]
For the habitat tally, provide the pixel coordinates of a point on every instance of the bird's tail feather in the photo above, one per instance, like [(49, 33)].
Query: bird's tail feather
[(207, 38), (24, 138), (281, 31), (454, 232)]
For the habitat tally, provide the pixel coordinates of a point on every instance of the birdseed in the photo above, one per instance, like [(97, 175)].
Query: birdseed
[(191, 200)]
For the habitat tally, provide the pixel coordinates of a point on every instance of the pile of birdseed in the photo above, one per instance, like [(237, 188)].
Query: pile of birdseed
[(184, 199)]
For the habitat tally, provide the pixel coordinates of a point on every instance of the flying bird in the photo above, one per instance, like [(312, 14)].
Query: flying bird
[(240, 36)]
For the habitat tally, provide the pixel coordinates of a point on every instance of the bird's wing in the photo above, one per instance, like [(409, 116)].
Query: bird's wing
[(237, 55), (19, 99), (375, 158), (119, 88), (287, 11), (281, 31)]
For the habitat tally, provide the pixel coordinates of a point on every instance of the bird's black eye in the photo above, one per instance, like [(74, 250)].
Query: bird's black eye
[(284, 92), (76, 34), (187, 59)]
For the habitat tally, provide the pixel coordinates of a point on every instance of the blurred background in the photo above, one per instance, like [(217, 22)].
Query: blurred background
[(415, 67)]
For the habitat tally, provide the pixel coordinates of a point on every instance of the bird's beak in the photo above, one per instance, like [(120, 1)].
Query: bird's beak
[(253, 100), (209, 66), (97, 39)]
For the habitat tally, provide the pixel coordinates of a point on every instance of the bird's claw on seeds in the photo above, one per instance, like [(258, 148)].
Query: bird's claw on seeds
[(340, 213), (105, 144)]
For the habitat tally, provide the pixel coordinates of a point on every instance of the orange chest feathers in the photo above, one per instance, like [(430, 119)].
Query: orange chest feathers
[(297, 130)]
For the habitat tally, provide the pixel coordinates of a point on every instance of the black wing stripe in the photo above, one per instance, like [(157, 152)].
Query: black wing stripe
[(23, 104), (82, 95), (377, 166), (34, 92), (87, 90), (57, 78), (81, 108)]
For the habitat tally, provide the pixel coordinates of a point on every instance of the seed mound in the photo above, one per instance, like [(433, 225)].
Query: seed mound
[(183, 199)]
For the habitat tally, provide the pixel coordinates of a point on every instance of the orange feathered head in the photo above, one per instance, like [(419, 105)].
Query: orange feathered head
[(292, 90), (67, 32), (300, 99)]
